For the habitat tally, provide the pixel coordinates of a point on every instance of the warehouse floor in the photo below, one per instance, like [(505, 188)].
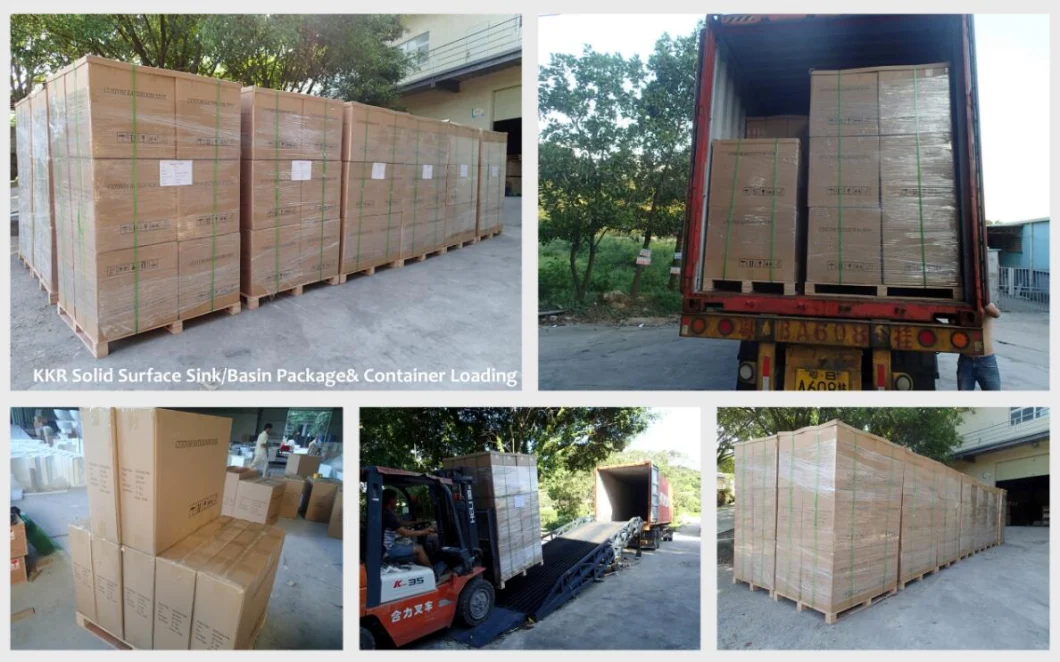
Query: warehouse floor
[(305, 610), (454, 312), (997, 599)]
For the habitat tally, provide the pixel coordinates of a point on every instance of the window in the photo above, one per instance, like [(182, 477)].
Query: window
[(1018, 415), (417, 46)]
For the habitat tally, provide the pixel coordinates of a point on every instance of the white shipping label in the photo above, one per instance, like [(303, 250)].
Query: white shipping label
[(495, 171), (519, 500), (463, 170), (428, 172), (675, 271), (174, 173), (378, 171), (301, 171)]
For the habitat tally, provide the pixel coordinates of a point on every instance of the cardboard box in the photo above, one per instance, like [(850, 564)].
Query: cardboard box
[(207, 118), (258, 500), (101, 468), (319, 250), (459, 223), (271, 193), (286, 125), (921, 514), (913, 258), (754, 172), (370, 241), (915, 100), (322, 493), (493, 155), (232, 591), (752, 243), (755, 517), (843, 246), (172, 474), (18, 539), (322, 130), (335, 523), (321, 194), (80, 544), (844, 103), (368, 133), (300, 464), (106, 572), (264, 251), (949, 532), (209, 206), (918, 168), (138, 581), (844, 172), (295, 491), (377, 188), (208, 275), (125, 205), (777, 126), (175, 572), (233, 476), (18, 571)]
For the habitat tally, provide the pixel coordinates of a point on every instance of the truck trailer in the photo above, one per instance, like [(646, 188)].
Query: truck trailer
[(624, 491), (796, 336)]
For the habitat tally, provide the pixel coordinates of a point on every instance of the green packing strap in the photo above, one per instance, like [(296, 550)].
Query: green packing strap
[(839, 172), (276, 190), (360, 202), (216, 174), (390, 198), (323, 189), (816, 500), (853, 503), (773, 212), (887, 520), (919, 178), (136, 213), (732, 206)]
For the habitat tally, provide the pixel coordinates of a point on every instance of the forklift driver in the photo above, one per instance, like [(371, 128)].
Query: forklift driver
[(396, 547)]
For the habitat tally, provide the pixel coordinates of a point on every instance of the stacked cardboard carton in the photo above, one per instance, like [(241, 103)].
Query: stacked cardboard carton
[(777, 126), (291, 185), (19, 552), (831, 517), (493, 153), (35, 226), (146, 187), (752, 220), (157, 565), (462, 184), (507, 483)]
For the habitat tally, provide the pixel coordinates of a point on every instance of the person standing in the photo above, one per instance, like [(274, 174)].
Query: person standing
[(260, 462), (982, 370), (314, 447)]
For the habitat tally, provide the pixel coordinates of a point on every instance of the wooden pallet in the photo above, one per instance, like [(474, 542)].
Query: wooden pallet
[(914, 578), (420, 257), (460, 244), (370, 271), (489, 234), (101, 349), (752, 287), (253, 302), (751, 585), (830, 617), (92, 628), (885, 291), (53, 295)]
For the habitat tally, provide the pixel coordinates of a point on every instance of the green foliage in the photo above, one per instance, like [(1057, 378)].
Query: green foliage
[(344, 56), (929, 431)]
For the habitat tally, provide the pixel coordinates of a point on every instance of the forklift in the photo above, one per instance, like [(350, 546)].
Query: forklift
[(402, 602)]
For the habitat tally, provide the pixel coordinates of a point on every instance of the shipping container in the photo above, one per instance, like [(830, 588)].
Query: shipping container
[(878, 337), (624, 491)]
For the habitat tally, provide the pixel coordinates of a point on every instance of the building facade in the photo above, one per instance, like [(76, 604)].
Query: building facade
[(1009, 448), (468, 71)]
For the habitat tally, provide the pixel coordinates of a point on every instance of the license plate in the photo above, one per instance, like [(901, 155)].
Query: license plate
[(821, 380), (810, 332)]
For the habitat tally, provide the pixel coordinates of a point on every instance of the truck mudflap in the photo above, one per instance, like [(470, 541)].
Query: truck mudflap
[(872, 334)]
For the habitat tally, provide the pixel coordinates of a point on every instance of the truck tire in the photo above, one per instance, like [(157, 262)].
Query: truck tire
[(367, 639), (475, 603)]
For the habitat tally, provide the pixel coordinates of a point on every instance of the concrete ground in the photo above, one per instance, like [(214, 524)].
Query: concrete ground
[(615, 358), (664, 582), (455, 312), (305, 609), (995, 600)]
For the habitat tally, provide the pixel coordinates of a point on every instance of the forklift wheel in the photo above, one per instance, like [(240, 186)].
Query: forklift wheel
[(476, 602), (367, 639)]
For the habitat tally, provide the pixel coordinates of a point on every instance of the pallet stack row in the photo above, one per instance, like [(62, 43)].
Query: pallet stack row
[(149, 197), (157, 566), (831, 517)]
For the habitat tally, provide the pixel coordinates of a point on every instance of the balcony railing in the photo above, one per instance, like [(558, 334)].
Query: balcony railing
[(1000, 433), (491, 41)]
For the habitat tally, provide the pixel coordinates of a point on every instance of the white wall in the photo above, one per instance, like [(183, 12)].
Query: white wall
[(474, 93)]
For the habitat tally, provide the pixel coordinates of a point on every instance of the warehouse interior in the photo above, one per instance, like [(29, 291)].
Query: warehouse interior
[(306, 604)]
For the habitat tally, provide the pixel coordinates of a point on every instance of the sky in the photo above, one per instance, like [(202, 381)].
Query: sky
[(677, 429), (1012, 53)]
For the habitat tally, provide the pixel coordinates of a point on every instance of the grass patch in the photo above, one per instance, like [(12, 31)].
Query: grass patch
[(613, 272)]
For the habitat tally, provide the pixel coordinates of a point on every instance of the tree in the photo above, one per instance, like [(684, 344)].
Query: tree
[(573, 439), (929, 431), (341, 56), (663, 138), (586, 159)]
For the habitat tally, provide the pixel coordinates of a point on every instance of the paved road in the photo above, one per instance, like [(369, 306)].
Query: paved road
[(601, 357)]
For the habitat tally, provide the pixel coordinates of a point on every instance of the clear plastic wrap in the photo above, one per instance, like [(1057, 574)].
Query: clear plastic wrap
[(143, 160), (462, 184), (493, 157), (844, 103), (922, 517), (949, 533), (755, 516), (24, 159), (969, 499)]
